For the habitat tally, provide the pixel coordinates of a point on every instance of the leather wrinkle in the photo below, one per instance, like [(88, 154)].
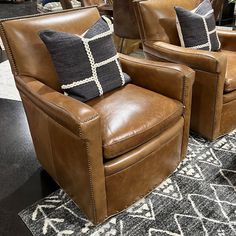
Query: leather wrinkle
[(156, 66), (64, 110), (128, 167), (140, 132), (89, 164), (184, 53)]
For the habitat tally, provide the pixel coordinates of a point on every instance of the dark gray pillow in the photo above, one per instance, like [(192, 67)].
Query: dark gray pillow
[(87, 65), (197, 28)]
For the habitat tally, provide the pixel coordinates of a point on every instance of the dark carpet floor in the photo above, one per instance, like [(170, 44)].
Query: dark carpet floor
[(22, 181)]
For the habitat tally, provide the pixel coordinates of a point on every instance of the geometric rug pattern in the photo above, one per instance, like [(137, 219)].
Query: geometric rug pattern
[(199, 198)]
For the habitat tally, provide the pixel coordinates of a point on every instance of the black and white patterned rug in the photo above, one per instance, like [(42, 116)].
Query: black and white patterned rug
[(198, 199)]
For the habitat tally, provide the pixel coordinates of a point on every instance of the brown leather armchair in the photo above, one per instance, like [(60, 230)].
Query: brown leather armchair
[(125, 26), (103, 7), (111, 151), (217, 6), (66, 4), (87, 3), (214, 90)]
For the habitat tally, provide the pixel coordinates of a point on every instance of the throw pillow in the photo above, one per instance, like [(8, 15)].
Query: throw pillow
[(87, 65), (197, 28)]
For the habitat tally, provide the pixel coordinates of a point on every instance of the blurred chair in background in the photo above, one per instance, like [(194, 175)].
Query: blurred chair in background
[(125, 26)]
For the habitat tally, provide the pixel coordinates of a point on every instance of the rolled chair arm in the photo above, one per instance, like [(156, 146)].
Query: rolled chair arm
[(227, 39), (165, 78), (67, 139), (67, 111), (171, 80), (196, 59)]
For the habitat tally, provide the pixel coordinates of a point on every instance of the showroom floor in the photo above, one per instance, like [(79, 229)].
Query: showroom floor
[(22, 180)]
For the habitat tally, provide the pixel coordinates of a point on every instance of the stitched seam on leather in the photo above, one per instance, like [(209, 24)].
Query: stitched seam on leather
[(147, 193), (76, 120), (151, 127), (31, 16), (45, 14), (151, 65), (128, 167), (91, 185), (12, 59), (184, 89), (52, 151), (184, 53), (89, 165), (39, 97), (143, 142), (215, 101)]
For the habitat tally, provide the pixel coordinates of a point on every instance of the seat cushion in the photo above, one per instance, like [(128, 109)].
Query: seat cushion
[(230, 80), (131, 116)]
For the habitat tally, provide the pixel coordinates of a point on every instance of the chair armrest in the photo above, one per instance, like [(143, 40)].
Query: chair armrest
[(196, 59), (171, 80), (168, 79), (65, 110), (227, 39), (68, 143)]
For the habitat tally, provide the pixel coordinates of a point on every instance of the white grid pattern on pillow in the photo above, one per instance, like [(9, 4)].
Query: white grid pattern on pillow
[(208, 33), (94, 66)]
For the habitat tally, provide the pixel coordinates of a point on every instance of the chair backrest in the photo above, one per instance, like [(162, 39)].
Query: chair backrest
[(66, 4), (26, 51), (86, 3), (125, 23), (157, 19), (217, 5)]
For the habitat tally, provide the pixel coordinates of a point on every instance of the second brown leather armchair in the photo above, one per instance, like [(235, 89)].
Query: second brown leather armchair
[(214, 90), (111, 151)]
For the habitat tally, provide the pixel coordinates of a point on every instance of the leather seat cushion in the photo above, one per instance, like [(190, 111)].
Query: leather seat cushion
[(131, 116), (230, 80)]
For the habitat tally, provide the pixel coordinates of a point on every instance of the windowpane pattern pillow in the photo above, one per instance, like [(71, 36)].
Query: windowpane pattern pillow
[(87, 65), (197, 28)]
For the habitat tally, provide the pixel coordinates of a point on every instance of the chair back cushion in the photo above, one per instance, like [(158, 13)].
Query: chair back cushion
[(28, 54), (157, 19)]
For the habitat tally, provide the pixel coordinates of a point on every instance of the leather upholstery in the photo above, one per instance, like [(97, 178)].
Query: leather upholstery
[(87, 3), (69, 135), (228, 97), (171, 80), (230, 77), (22, 49), (215, 71), (119, 109), (227, 39), (217, 6), (66, 4), (123, 189)]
